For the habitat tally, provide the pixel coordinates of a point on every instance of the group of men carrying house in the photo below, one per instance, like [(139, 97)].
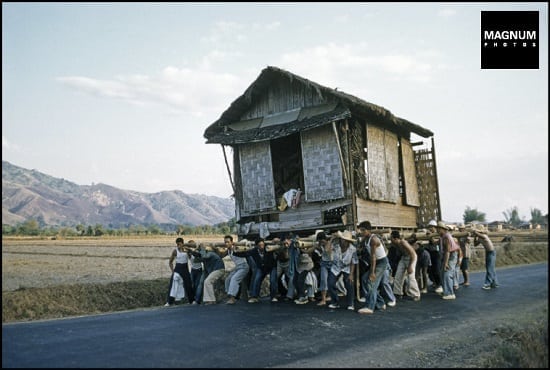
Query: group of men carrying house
[(356, 266)]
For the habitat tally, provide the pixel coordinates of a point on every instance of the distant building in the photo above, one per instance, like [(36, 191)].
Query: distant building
[(496, 226)]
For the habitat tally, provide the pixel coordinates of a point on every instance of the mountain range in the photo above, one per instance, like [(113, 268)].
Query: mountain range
[(30, 194)]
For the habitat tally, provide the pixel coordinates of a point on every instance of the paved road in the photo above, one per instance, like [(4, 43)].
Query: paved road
[(252, 335)]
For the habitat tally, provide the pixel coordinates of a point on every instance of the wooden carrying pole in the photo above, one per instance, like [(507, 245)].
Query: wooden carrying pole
[(424, 236), (228, 170)]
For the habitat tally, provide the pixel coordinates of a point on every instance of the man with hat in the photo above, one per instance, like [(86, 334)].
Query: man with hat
[(449, 249), (344, 263)]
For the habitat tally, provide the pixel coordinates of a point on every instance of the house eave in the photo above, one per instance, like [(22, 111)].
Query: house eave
[(217, 132), (232, 137)]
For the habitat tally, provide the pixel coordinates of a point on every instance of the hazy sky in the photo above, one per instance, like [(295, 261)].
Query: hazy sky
[(121, 93)]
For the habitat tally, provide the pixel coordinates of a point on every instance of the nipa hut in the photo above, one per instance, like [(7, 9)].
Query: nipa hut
[(308, 157)]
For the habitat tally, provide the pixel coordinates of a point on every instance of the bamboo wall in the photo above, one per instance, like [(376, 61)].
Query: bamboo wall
[(256, 176), (427, 187), (382, 164), (409, 174), (321, 162), (392, 166), (383, 214)]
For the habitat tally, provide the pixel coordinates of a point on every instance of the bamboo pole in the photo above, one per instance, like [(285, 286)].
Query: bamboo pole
[(228, 170), (340, 151), (426, 236)]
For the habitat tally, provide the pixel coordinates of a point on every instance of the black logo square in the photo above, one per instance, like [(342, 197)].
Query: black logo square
[(509, 39)]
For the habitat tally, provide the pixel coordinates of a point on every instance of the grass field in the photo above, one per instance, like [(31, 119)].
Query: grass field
[(39, 263)]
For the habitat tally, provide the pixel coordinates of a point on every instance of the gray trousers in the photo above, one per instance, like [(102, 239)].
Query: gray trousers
[(208, 290)]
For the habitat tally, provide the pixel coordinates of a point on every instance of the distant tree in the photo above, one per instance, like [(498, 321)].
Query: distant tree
[(89, 230), (29, 227), (131, 230), (140, 229), (203, 230), (472, 215), (537, 216), (154, 229), (98, 230), (80, 229), (225, 227), (225, 230), (8, 229), (511, 216), (66, 231), (186, 230), (50, 231)]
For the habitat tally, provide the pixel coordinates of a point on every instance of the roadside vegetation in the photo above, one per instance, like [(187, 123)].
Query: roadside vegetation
[(33, 227), (520, 343)]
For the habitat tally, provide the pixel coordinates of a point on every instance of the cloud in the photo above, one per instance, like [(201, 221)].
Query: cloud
[(184, 90), (336, 63), (113, 89), (198, 90), (9, 146), (217, 58), (227, 34), (224, 31), (342, 19), (446, 13), (267, 26)]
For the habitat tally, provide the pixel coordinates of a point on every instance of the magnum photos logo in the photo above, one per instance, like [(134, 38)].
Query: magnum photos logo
[(510, 40)]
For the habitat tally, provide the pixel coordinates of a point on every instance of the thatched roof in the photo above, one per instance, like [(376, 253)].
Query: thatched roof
[(229, 129)]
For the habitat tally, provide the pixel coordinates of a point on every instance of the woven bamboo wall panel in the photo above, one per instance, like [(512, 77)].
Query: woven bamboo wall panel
[(256, 176), (321, 162), (383, 164), (376, 159), (386, 214), (409, 172), (427, 187), (392, 166)]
